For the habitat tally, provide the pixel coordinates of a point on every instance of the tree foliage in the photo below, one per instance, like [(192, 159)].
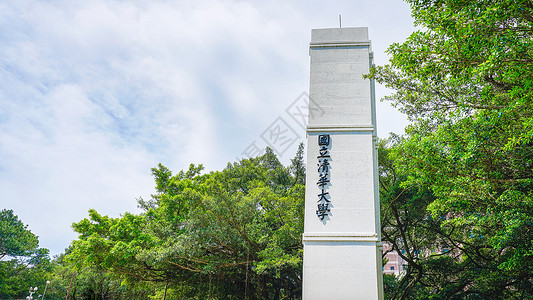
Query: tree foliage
[(463, 173), (89, 282), (22, 262), (15, 238), (230, 234)]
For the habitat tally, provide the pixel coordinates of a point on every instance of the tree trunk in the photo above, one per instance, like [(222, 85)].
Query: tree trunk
[(70, 285), (165, 294)]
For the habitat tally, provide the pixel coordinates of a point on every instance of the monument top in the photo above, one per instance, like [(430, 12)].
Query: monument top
[(351, 35), (339, 58)]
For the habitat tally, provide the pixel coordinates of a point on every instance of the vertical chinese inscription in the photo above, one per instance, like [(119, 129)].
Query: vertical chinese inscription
[(323, 202)]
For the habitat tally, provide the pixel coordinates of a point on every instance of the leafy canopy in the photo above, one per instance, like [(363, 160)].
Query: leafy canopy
[(15, 238), (465, 81), (22, 262), (215, 235)]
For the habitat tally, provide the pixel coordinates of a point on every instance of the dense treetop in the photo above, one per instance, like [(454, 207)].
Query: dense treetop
[(15, 238), (461, 178), (220, 234)]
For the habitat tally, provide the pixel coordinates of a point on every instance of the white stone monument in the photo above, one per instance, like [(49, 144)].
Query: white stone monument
[(342, 242)]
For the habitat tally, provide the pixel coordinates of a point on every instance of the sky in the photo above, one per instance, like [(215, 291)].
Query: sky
[(93, 94)]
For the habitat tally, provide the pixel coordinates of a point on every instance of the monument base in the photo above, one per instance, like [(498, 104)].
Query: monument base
[(339, 267)]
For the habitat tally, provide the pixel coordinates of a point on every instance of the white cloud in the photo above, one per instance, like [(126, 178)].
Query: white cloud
[(95, 93)]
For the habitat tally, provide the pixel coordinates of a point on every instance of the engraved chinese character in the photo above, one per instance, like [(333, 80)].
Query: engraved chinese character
[(322, 180), (323, 140), (323, 166), (322, 196), (323, 153), (322, 211)]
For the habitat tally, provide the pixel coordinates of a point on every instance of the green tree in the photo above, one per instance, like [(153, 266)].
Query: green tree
[(231, 234), (466, 81), (406, 226), (15, 238), (22, 263), (90, 282)]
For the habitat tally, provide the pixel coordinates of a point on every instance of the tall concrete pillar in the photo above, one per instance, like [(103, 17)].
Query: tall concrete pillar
[(342, 242)]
